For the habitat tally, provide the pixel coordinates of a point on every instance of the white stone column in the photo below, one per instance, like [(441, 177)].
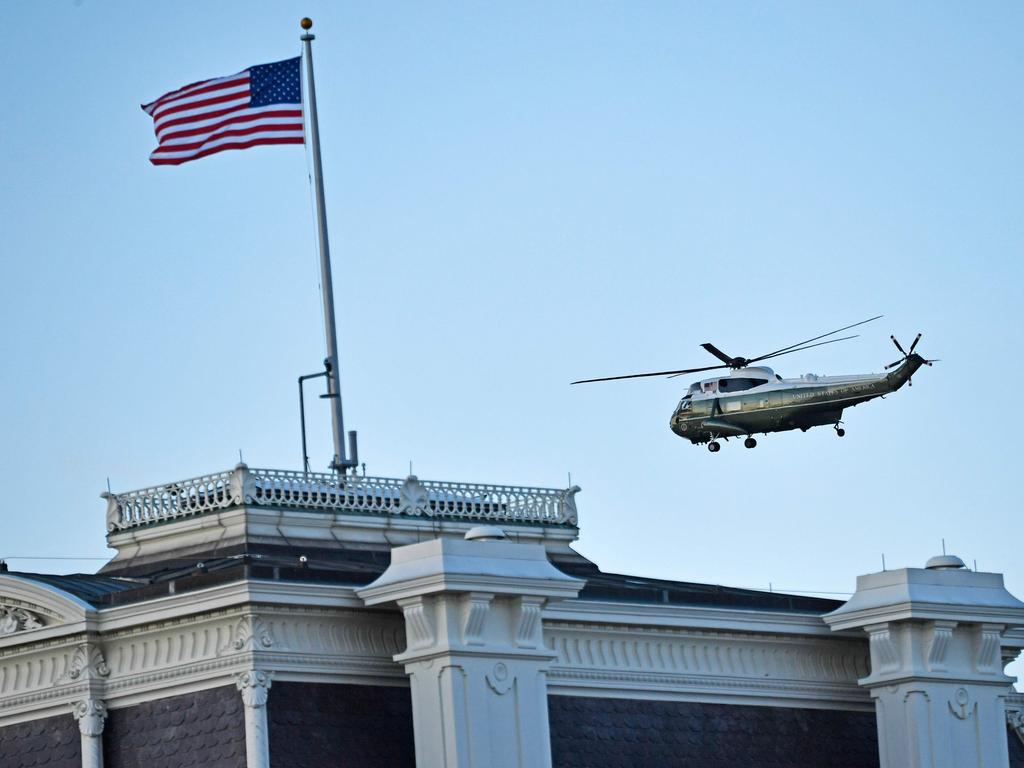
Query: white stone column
[(91, 715), (936, 665), (254, 686), (475, 651)]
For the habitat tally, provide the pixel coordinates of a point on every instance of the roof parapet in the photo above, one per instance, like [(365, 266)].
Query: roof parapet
[(311, 491)]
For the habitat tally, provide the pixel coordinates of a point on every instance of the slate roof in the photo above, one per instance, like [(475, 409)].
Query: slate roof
[(1016, 748), (49, 742), (355, 726), (359, 567), (91, 588), (628, 733), (638, 589), (206, 728)]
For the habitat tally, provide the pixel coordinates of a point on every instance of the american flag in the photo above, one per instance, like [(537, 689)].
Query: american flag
[(259, 105)]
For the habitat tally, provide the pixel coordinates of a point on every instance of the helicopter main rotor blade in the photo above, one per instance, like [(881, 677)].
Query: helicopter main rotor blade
[(897, 345), (644, 375), (801, 343), (717, 353), (800, 349), (914, 344)]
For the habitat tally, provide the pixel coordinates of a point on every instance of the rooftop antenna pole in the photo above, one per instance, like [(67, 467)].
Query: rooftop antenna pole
[(340, 462)]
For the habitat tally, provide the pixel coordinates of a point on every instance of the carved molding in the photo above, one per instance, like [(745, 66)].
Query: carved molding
[(670, 652), (963, 709), (250, 633), (87, 663), (475, 607), (419, 626), (701, 686), (254, 685), (684, 662), (529, 621), (14, 618), (332, 641), (885, 656), (413, 498), (941, 637), (91, 714), (500, 679), (989, 648)]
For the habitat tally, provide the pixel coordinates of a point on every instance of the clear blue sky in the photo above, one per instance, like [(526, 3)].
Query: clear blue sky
[(521, 195)]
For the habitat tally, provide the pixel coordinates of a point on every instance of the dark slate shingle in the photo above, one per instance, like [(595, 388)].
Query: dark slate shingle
[(49, 742), (340, 726), (628, 733), (206, 728), (1016, 748)]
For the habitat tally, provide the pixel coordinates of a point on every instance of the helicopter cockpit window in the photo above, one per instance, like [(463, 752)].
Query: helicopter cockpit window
[(685, 404), (738, 385)]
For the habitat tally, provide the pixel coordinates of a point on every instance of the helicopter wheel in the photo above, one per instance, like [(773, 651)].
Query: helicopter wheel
[(714, 447), (840, 431), (750, 443)]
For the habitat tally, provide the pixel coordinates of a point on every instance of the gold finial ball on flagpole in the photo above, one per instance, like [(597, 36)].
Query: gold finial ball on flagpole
[(306, 23)]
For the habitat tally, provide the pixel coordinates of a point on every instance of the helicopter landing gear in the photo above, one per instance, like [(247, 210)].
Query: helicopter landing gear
[(750, 443), (714, 447), (839, 431)]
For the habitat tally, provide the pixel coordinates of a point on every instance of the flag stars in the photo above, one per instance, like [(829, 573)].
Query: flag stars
[(276, 83)]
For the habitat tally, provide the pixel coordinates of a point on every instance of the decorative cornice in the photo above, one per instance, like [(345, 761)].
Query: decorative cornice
[(691, 662), (704, 687), (610, 613)]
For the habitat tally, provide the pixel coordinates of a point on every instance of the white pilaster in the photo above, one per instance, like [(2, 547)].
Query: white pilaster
[(254, 686), (475, 651), (936, 667), (91, 715)]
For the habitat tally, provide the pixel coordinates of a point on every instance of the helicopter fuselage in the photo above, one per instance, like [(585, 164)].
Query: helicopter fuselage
[(755, 400)]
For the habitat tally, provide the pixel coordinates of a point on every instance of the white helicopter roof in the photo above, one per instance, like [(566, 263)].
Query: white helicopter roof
[(750, 372), (758, 372), (752, 369)]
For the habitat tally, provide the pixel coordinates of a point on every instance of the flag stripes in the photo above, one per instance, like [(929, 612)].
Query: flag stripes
[(260, 105)]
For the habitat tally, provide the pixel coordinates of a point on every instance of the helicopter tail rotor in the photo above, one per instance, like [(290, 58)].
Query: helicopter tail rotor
[(908, 355)]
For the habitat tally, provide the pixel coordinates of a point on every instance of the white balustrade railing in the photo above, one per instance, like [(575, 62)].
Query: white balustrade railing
[(345, 493)]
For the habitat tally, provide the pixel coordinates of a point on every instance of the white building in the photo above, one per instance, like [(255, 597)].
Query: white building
[(255, 618)]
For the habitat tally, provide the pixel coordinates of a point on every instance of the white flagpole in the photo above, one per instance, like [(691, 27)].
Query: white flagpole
[(340, 462)]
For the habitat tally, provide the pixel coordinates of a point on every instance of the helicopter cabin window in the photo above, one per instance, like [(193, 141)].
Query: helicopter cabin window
[(739, 384)]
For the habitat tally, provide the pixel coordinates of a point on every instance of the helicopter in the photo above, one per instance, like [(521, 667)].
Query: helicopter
[(753, 399)]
